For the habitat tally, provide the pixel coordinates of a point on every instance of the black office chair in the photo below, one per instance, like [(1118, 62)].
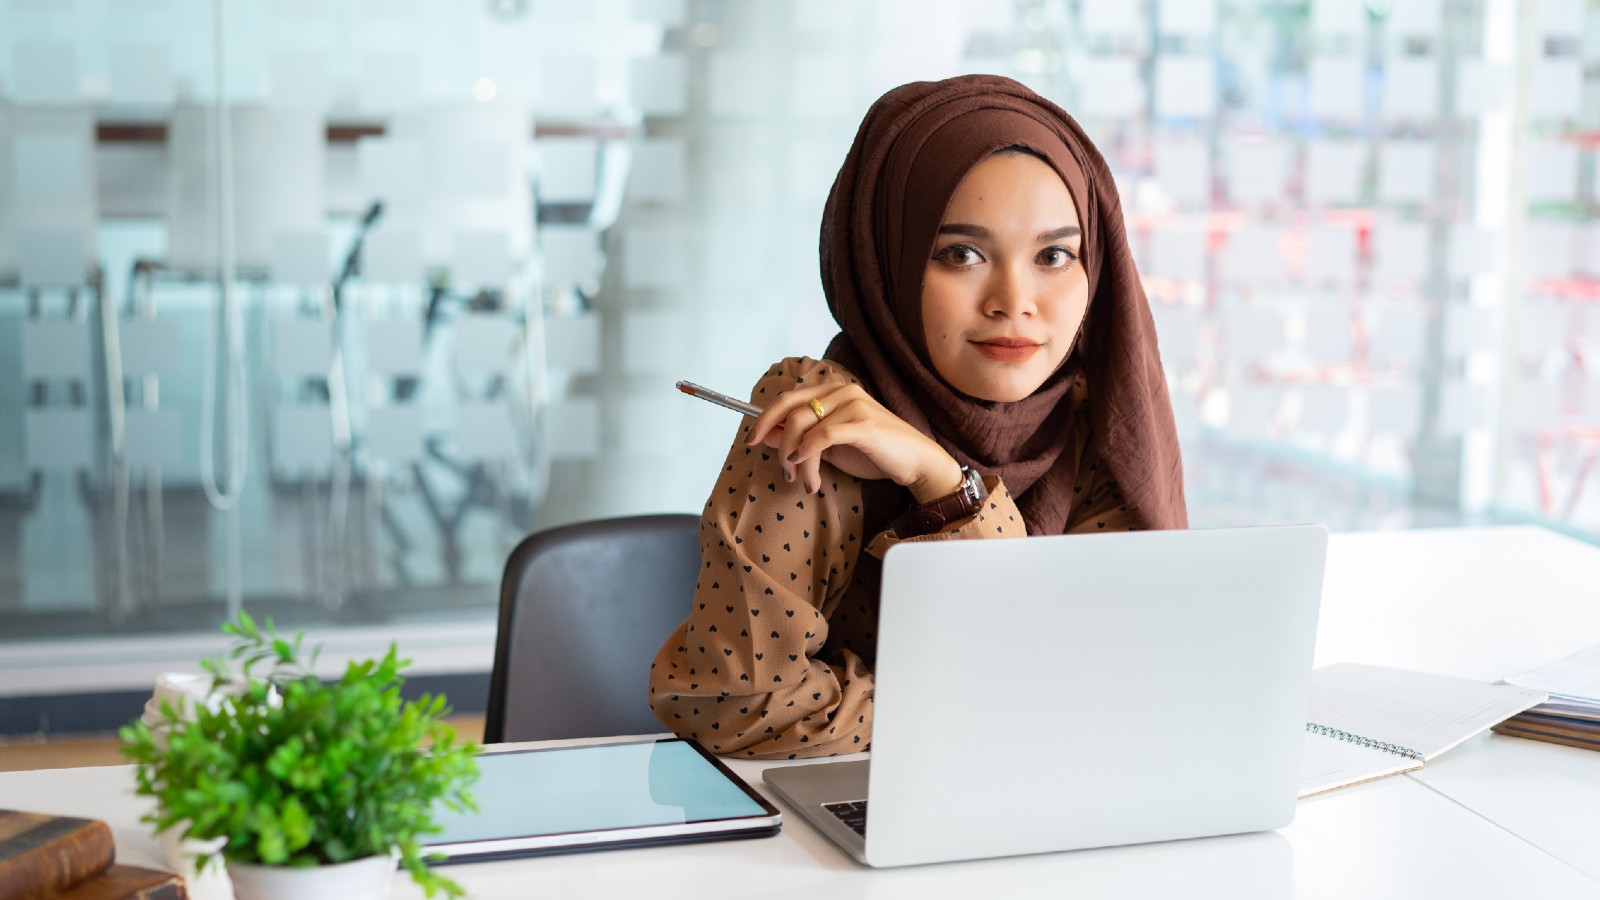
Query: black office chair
[(583, 610)]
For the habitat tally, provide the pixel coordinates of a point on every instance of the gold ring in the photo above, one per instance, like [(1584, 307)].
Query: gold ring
[(816, 407)]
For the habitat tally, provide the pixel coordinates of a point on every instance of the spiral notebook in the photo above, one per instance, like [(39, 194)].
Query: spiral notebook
[(1369, 722)]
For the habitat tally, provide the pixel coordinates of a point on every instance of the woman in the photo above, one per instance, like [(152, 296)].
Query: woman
[(996, 375)]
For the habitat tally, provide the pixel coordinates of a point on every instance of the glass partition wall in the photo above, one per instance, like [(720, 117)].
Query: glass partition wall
[(316, 307)]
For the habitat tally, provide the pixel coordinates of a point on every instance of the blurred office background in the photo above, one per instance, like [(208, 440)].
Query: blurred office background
[(315, 307)]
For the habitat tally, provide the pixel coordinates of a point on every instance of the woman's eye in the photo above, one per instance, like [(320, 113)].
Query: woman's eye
[(959, 255), (1057, 257)]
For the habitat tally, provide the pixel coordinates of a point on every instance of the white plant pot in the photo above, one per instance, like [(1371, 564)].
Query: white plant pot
[(361, 879)]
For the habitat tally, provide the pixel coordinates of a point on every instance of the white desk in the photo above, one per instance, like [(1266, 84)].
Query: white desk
[(1495, 818)]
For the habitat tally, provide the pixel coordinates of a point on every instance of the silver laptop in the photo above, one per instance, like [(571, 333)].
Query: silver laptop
[(1065, 692)]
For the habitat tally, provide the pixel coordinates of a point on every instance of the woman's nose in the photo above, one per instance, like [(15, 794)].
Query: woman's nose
[(1010, 294)]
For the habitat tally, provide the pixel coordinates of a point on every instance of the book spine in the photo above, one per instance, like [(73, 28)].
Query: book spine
[(1385, 746), (41, 854)]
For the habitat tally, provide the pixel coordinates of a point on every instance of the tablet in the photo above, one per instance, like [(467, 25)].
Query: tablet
[(599, 797)]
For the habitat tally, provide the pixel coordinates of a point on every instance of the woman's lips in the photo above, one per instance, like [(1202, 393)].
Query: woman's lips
[(1007, 349)]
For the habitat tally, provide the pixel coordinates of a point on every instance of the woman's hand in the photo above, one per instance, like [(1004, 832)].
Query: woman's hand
[(856, 434)]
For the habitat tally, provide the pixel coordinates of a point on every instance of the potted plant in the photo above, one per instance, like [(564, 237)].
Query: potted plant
[(310, 786)]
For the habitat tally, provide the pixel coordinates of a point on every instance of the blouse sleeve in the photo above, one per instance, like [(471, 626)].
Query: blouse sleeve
[(741, 673)]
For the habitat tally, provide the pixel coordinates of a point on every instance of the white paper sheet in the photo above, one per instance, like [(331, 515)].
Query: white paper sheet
[(1394, 333), (1463, 408), (1481, 87), (1417, 710), (1575, 676), (1547, 249), (1394, 410), (1177, 252), (1252, 256)]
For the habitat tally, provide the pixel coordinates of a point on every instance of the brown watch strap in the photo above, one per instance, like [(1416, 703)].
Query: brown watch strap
[(926, 518)]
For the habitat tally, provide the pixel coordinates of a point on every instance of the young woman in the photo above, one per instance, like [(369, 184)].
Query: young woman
[(996, 375)]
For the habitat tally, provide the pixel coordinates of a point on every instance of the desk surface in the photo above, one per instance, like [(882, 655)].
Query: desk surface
[(1495, 818)]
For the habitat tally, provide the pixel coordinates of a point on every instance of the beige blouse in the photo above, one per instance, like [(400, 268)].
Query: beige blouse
[(775, 659)]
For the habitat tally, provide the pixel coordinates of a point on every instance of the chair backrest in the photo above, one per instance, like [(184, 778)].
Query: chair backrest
[(583, 610)]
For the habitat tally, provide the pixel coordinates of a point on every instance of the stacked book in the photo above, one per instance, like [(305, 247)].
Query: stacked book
[(1572, 714), (61, 858)]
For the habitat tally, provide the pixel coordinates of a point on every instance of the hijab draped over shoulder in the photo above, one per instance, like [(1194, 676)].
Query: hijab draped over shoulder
[(914, 147)]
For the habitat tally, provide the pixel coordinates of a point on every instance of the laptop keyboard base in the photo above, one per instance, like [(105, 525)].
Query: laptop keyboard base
[(852, 813)]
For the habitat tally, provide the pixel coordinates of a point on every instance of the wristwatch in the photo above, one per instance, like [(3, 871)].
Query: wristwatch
[(926, 518)]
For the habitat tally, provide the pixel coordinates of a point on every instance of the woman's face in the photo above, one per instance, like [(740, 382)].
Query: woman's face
[(1004, 292)]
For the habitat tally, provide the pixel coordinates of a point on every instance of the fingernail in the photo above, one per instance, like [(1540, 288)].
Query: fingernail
[(788, 474), (793, 456)]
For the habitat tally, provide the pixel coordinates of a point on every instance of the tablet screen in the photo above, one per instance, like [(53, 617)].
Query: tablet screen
[(597, 788)]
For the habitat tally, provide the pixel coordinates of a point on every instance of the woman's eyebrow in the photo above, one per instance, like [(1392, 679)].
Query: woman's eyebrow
[(1060, 234), (978, 231)]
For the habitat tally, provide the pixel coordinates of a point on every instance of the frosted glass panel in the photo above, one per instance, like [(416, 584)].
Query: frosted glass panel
[(1338, 18), (484, 432), (1335, 171), (1470, 330), (54, 349), (1110, 86), (301, 257), (52, 167), (659, 171), (1252, 256), (1336, 88), (394, 434), (141, 75), (392, 80), (1474, 250), (569, 254), (392, 256), (655, 426), (567, 169), (1547, 249), (1177, 252), (484, 342), (1551, 174), (152, 347), (1257, 170), (392, 170), (1186, 87), (654, 256), (1411, 89), (573, 429), (572, 343), (1394, 333), (46, 74), (479, 259), (741, 86), (1557, 18), (155, 437), (1331, 254), (1395, 410), (394, 346), (1413, 17), (302, 441), (302, 348), (653, 342), (1405, 171), (1111, 19), (1400, 250), (52, 257), (1190, 17), (1555, 88), (58, 439), (1481, 87), (660, 85), (1183, 168)]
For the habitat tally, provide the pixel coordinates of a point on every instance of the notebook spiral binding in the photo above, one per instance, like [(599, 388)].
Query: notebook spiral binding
[(1386, 747)]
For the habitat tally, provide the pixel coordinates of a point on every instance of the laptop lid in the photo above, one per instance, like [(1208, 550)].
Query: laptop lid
[(1075, 691)]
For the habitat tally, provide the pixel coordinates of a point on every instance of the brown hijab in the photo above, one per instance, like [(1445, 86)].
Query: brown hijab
[(878, 229)]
